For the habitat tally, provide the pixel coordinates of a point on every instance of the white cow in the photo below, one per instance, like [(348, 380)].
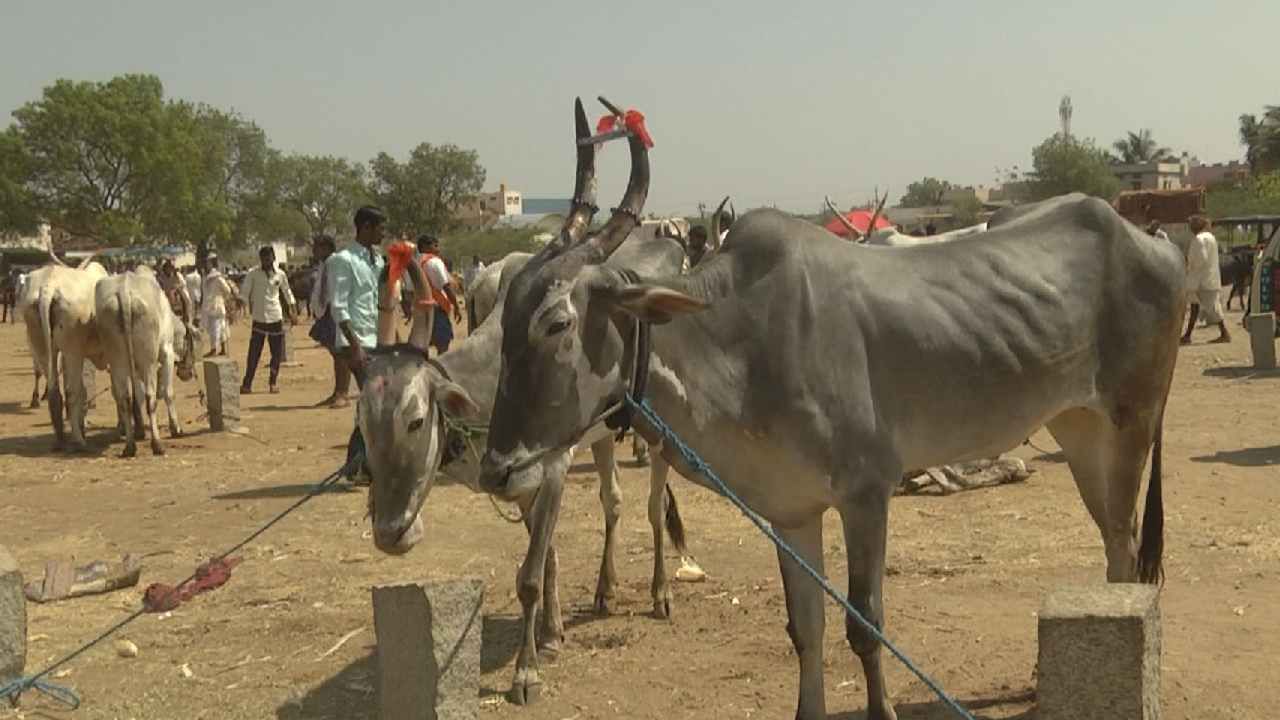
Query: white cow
[(57, 306), (144, 340)]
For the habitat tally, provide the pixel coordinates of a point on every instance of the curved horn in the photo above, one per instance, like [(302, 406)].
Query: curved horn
[(733, 213), (53, 256), (626, 216), (871, 224), (88, 259), (714, 240), (583, 207), (854, 233)]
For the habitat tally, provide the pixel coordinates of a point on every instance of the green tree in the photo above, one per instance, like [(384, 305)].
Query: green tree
[(1065, 164), (423, 193), (1139, 147), (1259, 195), (324, 190), (18, 212), (98, 158), (925, 192), (966, 209)]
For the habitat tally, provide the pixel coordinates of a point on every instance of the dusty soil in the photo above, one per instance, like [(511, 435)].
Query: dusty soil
[(967, 572)]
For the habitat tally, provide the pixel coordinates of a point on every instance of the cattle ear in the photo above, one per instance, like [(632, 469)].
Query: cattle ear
[(453, 399), (654, 303)]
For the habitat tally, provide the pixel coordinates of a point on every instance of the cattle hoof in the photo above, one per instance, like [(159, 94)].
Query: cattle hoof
[(34, 403), (601, 606), (156, 448), (129, 451), (176, 431), (549, 650), (526, 689), (662, 608)]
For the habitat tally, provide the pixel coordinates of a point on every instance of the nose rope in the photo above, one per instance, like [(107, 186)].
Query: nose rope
[(454, 427)]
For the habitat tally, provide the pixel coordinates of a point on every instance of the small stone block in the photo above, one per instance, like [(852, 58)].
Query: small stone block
[(1262, 338), (1100, 653), (429, 649), (222, 393), (13, 619)]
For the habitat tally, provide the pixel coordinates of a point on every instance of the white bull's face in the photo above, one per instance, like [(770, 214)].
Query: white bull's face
[(399, 418)]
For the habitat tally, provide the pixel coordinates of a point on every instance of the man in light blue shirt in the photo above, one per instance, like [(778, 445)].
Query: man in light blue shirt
[(353, 275), (353, 281)]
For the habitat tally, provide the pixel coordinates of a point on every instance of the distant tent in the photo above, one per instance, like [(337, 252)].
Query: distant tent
[(860, 219)]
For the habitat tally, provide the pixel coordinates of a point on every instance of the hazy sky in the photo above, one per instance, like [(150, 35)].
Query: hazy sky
[(772, 102)]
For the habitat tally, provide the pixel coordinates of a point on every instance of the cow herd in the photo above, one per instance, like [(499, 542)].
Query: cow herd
[(809, 372), (121, 323)]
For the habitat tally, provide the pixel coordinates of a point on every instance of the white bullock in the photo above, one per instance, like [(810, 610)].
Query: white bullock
[(144, 340)]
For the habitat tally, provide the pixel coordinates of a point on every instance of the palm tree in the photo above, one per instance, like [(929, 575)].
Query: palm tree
[(1261, 139), (1140, 147)]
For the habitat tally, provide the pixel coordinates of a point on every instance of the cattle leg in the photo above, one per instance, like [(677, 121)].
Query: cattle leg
[(73, 383), (147, 394), (1107, 463), (611, 501), (866, 519), (35, 390), (165, 390), (805, 619), (540, 518), (121, 384), (660, 588), (53, 389)]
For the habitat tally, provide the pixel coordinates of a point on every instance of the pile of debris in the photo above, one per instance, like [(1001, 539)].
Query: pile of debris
[(950, 479)]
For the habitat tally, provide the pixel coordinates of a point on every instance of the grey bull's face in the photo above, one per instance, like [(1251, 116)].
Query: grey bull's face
[(399, 417), (562, 356)]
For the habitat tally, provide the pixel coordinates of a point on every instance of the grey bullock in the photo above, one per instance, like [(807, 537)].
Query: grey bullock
[(809, 382), (57, 307), (401, 415), (145, 342)]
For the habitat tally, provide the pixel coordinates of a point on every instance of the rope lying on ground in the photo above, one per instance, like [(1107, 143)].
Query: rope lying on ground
[(698, 465), (13, 690)]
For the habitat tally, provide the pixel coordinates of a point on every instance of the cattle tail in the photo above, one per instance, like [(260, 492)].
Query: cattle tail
[(1151, 550), (133, 409)]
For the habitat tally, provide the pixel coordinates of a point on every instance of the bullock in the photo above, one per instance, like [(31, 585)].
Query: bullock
[(1236, 271), (810, 372), (401, 413), (145, 342), (482, 294), (57, 307)]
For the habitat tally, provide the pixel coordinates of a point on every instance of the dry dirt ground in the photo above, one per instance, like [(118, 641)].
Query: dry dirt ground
[(966, 572)]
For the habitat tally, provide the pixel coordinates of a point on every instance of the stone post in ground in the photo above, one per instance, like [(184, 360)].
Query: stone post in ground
[(1100, 653), (13, 620), (429, 649), (1262, 338), (222, 391)]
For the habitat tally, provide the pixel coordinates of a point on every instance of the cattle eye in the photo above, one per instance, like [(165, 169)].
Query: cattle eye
[(557, 327), (415, 425)]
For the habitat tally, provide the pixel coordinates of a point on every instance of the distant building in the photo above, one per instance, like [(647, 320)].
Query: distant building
[(1204, 175), (1154, 175), (542, 206), (484, 208)]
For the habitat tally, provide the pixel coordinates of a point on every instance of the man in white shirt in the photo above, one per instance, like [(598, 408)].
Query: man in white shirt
[(262, 289), (1204, 283), (215, 294)]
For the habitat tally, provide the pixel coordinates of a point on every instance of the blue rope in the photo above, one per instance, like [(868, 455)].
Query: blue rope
[(13, 690), (697, 464)]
